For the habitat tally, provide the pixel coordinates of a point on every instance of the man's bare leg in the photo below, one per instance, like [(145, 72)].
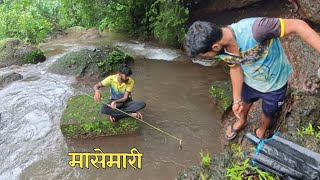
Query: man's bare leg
[(264, 125), (242, 121)]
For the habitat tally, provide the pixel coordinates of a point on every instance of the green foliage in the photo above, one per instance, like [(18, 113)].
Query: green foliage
[(306, 131), (167, 20), (34, 56), (309, 131), (237, 172), (29, 20), (81, 12), (241, 167), (118, 17), (222, 92), (206, 159), (113, 60)]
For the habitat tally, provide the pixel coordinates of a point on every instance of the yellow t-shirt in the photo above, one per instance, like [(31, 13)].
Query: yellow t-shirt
[(117, 90)]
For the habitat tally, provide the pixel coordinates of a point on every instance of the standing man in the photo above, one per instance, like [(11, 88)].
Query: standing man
[(259, 66), (121, 86)]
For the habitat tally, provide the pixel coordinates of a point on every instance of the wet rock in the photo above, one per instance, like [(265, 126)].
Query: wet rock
[(15, 52), (310, 10), (305, 62), (219, 5), (83, 33), (82, 117), (8, 78), (304, 110), (90, 63), (221, 91)]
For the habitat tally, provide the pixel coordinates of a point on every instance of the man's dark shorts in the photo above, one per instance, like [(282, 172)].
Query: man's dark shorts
[(271, 101)]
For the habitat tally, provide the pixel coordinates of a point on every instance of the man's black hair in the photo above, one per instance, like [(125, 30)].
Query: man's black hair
[(124, 69), (201, 36)]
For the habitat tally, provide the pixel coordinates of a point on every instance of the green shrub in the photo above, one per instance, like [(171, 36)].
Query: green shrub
[(206, 159), (35, 56), (167, 19), (29, 20)]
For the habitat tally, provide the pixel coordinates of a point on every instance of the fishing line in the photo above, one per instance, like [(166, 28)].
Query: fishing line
[(156, 128)]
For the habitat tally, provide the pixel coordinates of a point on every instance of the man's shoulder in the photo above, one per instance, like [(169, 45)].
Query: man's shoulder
[(110, 77), (248, 20), (130, 81)]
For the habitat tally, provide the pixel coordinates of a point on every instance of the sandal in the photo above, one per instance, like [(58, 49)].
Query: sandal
[(235, 131)]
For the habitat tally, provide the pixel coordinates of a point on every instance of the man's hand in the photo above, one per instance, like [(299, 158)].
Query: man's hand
[(237, 109), (97, 96), (113, 105)]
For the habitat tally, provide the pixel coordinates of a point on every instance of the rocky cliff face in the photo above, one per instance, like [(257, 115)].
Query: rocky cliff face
[(305, 62), (310, 10)]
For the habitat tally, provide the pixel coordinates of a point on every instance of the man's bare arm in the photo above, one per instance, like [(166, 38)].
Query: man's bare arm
[(97, 95), (97, 87), (301, 28), (236, 75)]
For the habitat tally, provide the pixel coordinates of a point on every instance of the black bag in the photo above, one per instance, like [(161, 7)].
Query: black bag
[(285, 158)]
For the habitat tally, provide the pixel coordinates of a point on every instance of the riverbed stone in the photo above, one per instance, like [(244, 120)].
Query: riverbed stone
[(94, 62), (310, 10), (305, 61), (15, 52), (82, 117), (221, 91), (8, 78)]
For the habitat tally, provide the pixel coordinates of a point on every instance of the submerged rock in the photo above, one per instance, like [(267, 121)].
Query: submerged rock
[(8, 78), (15, 52), (82, 117)]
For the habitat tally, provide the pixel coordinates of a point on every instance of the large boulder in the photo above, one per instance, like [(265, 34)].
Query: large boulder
[(306, 62), (8, 78), (310, 10), (82, 117), (15, 52), (90, 62), (216, 6)]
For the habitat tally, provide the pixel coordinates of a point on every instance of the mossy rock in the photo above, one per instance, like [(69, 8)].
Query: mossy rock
[(82, 117), (305, 110), (8, 78), (221, 91), (95, 62), (15, 52)]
